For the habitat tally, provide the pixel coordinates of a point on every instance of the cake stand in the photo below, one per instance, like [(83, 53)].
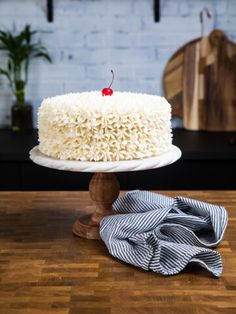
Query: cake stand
[(104, 187)]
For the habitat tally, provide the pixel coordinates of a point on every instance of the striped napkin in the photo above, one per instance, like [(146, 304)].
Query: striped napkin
[(164, 234)]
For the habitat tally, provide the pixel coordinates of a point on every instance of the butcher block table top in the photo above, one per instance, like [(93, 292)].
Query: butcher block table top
[(45, 269)]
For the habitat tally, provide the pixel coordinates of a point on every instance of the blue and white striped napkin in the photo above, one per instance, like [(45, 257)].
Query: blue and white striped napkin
[(164, 234)]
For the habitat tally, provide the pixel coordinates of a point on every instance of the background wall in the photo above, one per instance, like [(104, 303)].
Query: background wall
[(89, 37)]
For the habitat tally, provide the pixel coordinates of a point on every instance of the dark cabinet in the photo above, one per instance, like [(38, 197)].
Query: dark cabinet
[(208, 162), (9, 176)]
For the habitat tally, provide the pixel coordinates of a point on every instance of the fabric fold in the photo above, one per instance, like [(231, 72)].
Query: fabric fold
[(165, 234)]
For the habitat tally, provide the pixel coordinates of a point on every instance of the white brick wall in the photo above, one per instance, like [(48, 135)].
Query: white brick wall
[(89, 37)]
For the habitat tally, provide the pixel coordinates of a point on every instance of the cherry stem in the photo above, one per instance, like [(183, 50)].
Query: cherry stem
[(112, 78)]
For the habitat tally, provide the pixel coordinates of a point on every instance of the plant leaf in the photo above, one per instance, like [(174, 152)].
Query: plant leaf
[(42, 54), (5, 73), (20, 50), (9, 65)]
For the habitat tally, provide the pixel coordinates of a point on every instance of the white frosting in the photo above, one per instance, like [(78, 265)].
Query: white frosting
[(92, 127)]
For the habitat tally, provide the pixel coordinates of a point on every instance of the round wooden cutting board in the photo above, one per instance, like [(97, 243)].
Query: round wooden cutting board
[(200, 83)]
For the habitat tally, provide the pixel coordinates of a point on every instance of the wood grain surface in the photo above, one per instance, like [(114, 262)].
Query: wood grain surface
[(199, 82), (45, 269)]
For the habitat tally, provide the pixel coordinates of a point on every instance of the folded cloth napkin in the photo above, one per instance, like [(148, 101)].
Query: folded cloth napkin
[(164, 234)]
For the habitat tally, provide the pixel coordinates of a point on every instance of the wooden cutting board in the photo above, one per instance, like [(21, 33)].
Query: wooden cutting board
[(200, 83)]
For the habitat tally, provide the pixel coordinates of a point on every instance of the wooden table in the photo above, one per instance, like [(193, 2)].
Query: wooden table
[(45, 269)]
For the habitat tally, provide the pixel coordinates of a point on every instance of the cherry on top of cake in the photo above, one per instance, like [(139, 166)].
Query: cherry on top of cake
[(107, 91)]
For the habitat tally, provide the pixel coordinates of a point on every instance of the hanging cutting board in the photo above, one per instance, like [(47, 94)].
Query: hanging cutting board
[(200, 83)]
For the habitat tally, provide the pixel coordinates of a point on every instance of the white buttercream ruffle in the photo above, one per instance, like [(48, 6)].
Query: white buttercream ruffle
[(91, 127)]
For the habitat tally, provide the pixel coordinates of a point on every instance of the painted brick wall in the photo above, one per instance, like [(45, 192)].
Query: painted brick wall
[(89, 37)]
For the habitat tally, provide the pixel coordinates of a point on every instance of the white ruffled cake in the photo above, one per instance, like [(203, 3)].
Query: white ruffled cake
[(90, 127)]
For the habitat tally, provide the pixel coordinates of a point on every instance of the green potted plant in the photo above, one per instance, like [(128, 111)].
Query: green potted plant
[(20, 51)]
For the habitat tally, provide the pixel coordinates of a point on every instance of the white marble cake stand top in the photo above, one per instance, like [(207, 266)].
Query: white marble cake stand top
[(106, 166)]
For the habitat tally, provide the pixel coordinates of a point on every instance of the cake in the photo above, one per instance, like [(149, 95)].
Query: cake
[(90, 127)]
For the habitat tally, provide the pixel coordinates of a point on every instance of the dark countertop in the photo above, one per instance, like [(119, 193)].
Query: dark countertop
[(195, 145), (202, 145)]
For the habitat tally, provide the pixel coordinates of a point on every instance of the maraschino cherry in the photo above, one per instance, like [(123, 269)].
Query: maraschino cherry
[(107, 91)]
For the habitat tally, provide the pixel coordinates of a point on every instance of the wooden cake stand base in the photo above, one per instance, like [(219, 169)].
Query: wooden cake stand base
[(104, 189)]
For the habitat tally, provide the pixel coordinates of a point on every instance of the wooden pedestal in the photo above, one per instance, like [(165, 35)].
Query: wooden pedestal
[(104, 189)]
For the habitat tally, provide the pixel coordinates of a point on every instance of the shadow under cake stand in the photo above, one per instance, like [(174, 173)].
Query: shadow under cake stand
[(104, 187)]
